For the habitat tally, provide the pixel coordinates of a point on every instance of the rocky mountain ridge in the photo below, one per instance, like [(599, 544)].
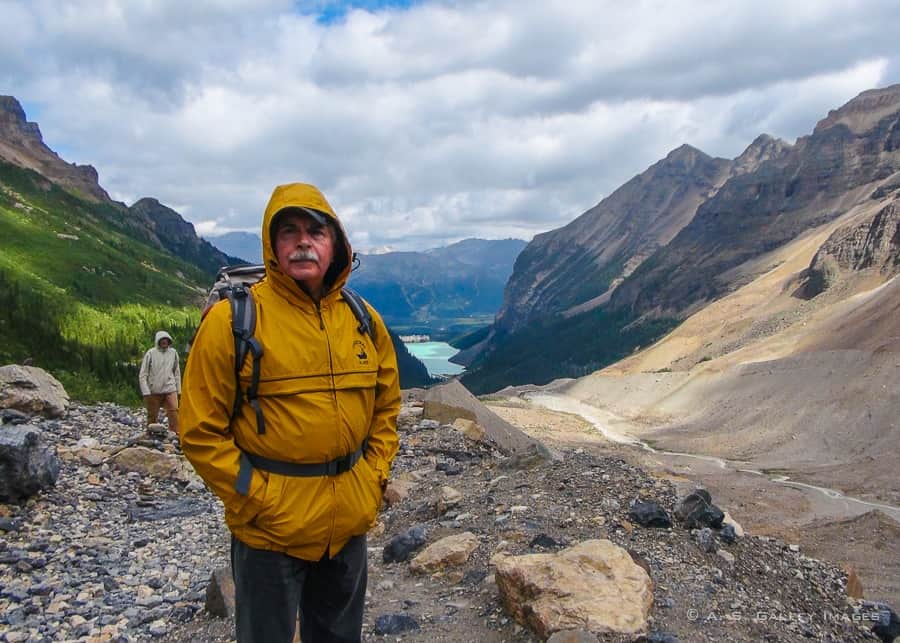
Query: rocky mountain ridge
[(819, 179), (147, 220), (769, 196), (21, 143), (590, 256), (130, 546), (179, 237)]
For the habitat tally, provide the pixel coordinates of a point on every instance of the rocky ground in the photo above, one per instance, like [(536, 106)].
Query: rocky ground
[(109, 554)]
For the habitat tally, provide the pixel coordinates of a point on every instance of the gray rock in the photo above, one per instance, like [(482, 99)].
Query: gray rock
[(696, 510), (728, 535), (544, 541), (704, 538), (887, 627), (402, 546), (447, 402), (658, 637), (649, 514), (395, 624), (12, 416), (27, 465), (32, 390), (573, 636), (220, 593)]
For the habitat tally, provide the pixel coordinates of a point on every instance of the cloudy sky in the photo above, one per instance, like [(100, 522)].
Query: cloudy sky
[(425, 121)]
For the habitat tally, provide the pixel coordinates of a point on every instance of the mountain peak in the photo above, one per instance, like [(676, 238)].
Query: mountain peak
[(21, 144), (11, 109), (686, 153), (149, 201), (13, 122), (865, 111), (764, 148)]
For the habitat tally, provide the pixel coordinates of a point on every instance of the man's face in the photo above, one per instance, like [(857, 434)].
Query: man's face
[(164, 343), (304, 249)]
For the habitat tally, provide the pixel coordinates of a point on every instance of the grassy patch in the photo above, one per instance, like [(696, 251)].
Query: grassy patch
[(84, 291)]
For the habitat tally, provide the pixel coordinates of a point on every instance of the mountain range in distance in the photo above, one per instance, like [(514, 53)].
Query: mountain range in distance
[(421, 291)]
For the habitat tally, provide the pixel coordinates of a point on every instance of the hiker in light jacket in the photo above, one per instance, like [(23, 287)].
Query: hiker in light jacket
[(160, 380), (301, 468)]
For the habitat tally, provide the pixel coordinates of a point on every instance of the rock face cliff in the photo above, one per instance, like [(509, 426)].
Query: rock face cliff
[(21, 143), (586, 258), (178, 236), (849, 154), (874, 243), (577, 267)]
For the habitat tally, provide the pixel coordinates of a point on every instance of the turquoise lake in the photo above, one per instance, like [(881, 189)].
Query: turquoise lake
[(435, 356)]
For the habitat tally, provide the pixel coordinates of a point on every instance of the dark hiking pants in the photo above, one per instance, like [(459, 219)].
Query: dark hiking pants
[(271, 589)]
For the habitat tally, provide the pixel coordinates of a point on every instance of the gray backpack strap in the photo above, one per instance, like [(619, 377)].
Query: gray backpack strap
[(243, 325), (360, 311)]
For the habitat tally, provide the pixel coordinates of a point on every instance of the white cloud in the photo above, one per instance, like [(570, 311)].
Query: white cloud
[(430, 124)]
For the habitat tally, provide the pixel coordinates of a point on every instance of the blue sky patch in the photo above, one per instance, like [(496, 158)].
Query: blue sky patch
[(331, 11)]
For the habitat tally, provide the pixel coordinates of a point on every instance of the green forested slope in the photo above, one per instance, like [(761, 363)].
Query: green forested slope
[(83, 291)]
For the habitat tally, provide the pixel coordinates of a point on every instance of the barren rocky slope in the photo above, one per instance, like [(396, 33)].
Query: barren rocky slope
[(842, 178), (850, 157), (115, 555), (777, 380), (592, 254)]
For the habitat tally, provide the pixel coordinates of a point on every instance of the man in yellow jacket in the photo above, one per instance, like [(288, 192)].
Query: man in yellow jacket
[(303, 483)]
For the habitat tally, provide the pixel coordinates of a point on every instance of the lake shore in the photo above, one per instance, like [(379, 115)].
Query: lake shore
[(436, 357)]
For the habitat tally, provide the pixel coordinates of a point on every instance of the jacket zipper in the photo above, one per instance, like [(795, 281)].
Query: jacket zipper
[(336, 415)]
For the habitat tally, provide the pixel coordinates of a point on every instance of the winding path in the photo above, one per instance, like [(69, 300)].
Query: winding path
[(838, 504)]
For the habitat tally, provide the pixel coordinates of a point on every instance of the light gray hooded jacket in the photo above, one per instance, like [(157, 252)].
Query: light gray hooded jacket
[(160, 372)]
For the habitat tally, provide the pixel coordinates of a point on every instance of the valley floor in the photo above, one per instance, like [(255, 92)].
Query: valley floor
[(845, 533)]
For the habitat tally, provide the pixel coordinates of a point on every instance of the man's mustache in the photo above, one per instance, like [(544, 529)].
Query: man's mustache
[(304, 255)]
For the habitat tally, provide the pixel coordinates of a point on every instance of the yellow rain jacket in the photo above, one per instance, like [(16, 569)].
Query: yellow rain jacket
[(324, 388)]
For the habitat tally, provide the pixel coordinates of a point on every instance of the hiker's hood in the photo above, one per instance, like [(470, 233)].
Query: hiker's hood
[(306, 197), (160, 335)]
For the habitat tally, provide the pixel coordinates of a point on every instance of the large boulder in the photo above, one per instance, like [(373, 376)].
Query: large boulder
[(593, 586), (27, 465), (448, 402), (32, 390)]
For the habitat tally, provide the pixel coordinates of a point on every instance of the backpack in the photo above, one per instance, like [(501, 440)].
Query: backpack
[(233, 283)]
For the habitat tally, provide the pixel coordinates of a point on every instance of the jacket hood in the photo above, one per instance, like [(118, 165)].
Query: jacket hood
[(160, 335), (305, 197)]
